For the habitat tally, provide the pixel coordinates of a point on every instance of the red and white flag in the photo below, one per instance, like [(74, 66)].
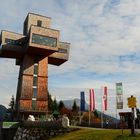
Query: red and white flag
[(92, 100), (105, 98)]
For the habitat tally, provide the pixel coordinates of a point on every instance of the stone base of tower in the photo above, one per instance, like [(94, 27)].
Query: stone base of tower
[(23, 115)]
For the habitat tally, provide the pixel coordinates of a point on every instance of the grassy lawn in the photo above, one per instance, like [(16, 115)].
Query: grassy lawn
[(91, 134), (8, 124)]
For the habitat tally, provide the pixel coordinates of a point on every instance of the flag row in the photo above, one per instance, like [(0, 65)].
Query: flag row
[(119, 98)]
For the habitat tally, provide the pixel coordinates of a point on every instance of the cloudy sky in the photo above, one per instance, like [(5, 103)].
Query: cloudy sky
[(105, 45)]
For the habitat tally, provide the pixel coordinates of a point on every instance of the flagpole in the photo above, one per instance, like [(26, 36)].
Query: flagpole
[(80, 117), (101, 109), (89, 105), (116, 117), (89, 117), (116, 111)]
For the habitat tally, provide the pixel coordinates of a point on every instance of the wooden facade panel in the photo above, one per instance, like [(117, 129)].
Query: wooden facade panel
[(12, 44), (10, 35), (42, 88), (10, 54), (41, 45), (43, 67), (26, 105), (56, 61), (42, 106), (28, 65), (26, 87), (45, 32), (32, 19), (61, 56)]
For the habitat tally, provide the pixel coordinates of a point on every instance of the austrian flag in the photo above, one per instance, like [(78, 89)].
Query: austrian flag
[(105, 98), (92, 100)]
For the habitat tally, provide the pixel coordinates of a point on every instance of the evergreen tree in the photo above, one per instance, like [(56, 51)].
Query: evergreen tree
[(50, 102), (74, 107), (96, 114), (137, 111), (55, 106), (61, 105), (12, 103)]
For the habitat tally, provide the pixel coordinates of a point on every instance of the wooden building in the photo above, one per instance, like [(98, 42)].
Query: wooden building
[(38, 46)]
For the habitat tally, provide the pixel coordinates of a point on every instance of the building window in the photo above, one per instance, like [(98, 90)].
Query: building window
[(34, 92), (10, 41), (44, 40), (60, 50), (35, 83), (35, 69), (39, 23), (14, 42), (33, 103)]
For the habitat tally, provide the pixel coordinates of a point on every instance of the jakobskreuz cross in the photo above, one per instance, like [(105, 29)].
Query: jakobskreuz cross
[(34, 50)]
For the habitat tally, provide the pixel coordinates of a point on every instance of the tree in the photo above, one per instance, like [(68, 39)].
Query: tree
[(12, 103), (74, 107), (55, 106), (61, 105), (96, 113), (50, 102), (66, 111), (137, 111)]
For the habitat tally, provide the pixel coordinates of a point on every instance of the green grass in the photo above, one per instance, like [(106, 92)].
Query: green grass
[(8, 124), (91, 134)]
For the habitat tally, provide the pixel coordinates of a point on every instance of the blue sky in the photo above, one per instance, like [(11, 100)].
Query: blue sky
[(105, 44)]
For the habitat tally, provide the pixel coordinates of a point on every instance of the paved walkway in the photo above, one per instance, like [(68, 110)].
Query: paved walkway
[(137, 131), (82, 127)]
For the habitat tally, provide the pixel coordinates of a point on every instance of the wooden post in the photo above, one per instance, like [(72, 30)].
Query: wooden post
[(0, 130), (89, 117), (122, 121), (133, 122), (80, 117)]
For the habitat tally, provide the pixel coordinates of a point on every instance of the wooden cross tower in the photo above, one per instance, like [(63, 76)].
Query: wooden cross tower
[(33, 50)]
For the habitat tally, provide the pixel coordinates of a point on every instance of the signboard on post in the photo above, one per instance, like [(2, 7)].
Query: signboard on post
[(131, 102), (119, 96)]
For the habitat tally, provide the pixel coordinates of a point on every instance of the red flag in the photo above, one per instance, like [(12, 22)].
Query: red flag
[(92, 100), (105, 98)]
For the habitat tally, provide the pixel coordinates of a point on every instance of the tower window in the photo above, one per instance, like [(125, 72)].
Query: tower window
[(44, 40), (39, 23), (60, 50), (33, 104)]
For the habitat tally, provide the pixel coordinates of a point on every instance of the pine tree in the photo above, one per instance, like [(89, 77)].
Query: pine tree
[(12, 103), (61, 105), (55, 105), (50, 102), (96, 114), (74, 107)]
